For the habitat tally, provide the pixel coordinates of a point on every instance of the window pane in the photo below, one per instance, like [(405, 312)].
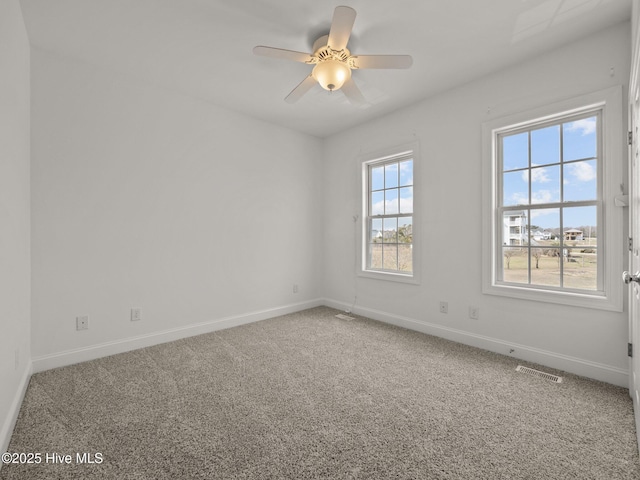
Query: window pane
[(375, 235), (545, 247), (580, 226), (391, 201), (515, 188), (579, 139), (515, 266), (545, 145), (406, 200), (581, 254), (377, 178), (514, 228), (545, 266), (375, 255), (377, 203), (406, 173), (390, 230), (405, 230), (405, 258), (580, 268), (515, 151), (545, 184), (580, 181), (391, 175), (545, 227), (390, 257)]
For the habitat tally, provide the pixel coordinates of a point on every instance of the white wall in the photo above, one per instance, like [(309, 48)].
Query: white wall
[(448, 128), (14, 215), (144, 198)]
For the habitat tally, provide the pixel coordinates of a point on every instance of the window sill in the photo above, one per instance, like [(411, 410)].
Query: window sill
[(594, 300), (390, 276)]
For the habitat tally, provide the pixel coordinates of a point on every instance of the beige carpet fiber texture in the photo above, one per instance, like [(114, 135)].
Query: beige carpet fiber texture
[(308, 395)]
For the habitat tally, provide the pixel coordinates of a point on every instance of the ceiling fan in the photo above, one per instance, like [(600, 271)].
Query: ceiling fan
[(333, 61)]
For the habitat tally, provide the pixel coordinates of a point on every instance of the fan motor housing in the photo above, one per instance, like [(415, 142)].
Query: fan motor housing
[(322, 51), (327, 53)]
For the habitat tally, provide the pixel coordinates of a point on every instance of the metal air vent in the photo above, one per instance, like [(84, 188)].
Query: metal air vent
[(539, 374)]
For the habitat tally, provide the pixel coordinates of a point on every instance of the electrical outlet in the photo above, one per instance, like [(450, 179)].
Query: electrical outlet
[(82, 323), (136, 314), (444, 307), (295, 288), (474, 313)]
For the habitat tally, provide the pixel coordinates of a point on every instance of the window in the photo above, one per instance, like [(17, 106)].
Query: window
[(553, 228), (550, 203), (388, 213)]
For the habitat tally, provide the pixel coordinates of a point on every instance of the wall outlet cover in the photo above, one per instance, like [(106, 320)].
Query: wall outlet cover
[(82, 323)]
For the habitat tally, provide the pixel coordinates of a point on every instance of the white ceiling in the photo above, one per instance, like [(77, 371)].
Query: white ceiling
[(203, 48)]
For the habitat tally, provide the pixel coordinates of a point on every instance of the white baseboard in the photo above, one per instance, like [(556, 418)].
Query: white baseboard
[(69, 357), (578, 366), (14, 410), (586, 368)]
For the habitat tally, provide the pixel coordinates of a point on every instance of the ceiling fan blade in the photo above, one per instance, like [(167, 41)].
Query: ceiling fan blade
[(353, 93), (382, 61), (302, 88), (341, 25), (282, 53)]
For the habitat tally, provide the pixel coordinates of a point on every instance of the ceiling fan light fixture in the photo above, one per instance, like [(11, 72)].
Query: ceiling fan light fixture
[(333, 61), (331, 74)]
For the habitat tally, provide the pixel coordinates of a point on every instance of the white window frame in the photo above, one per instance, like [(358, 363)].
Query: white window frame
[(389, 154), (610, 218)]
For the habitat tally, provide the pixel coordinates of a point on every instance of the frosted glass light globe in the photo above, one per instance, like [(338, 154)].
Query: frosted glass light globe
[(331, 74)]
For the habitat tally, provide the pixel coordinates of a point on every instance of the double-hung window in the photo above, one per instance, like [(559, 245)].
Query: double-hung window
[(389, 223), (550, 203), (554, 227)]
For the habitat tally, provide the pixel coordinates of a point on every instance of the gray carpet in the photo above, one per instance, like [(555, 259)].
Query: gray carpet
[(310, 396)]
